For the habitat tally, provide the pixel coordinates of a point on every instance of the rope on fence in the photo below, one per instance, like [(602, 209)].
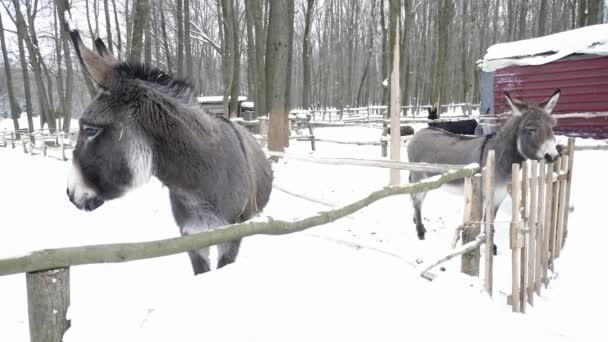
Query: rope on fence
[(122, 252)]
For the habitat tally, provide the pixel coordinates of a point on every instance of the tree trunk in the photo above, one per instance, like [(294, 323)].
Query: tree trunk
[(593, 9), (445, 15), (582, 15), (395, 104), (252, 73), (260, 55), (277, 63), (542, 18), (62, 5), (141, 12), (384, 54), (187, 45), (106, 10), (523, 14), (26, 84), (9, 80), (306, 53), (118, 35), (179, 22), (370, 53), (230, 56), (163, 30)]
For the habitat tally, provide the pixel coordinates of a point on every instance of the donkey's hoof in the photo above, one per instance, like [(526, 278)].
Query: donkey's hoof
[(494, 249)]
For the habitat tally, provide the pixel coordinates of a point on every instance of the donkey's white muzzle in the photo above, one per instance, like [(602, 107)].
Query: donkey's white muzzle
[(79, 193)]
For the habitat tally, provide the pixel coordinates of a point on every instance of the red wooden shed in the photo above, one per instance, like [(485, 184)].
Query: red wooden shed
[(574, 61)]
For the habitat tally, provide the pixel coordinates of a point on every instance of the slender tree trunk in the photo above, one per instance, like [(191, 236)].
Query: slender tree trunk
[(260, 58), (384, 54), (593, 9), (62, 5), (179, 22), (582, 15), (395, 103), (9, 80), (106, 10), (523, 14), (163, 30), (542, 18), (141, 12), (118, 35), (370, 53), (306, 54), (252, 72), (26, 84), (187, 44), (445, 15)]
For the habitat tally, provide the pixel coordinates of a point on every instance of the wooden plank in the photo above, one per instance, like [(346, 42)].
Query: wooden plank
[(547, 222), (515, 248), (555, 204), (532, 227), (472, 228), (540, 228), (488, 196), (523, 236), (48, 298), (561, 208), (571, 148)]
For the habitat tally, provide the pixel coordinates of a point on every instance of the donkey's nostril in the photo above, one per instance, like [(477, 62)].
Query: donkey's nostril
[(93, 203)]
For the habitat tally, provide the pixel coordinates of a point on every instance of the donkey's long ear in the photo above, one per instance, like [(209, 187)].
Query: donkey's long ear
[(515, 104), (98, 67), (549, 104), (104, 52)]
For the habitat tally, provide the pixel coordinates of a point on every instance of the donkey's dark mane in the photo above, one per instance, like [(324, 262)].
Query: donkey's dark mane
[(140, 71)]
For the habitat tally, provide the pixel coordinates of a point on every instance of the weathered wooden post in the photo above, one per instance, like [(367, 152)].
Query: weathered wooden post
[(523, 241), (568, 184), (62, 142), (472, 227), (24, 140), (263, 130), (48, 295), (488, 197), (31, 145), (515, 236), (547, 222), (44, 149), (555, 203), (532, 230), (561, 211), (540, 229), (13, 140)]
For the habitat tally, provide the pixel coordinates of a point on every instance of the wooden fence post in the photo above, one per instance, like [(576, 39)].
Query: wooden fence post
[(13, 140), (472, 227), (568, 184), (31, 146), (561, 210), (547, 221), (24, 141), (532, 237), (48, 295), (515, 243), (312, 135), (488, 197), (523, 237), (264, 130), (554, 213), (540, 228)]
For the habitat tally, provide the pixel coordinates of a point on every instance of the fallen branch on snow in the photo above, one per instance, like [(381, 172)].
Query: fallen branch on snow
[(479, 240)]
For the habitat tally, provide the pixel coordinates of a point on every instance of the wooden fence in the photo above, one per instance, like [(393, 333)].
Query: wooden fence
[(48, 300), (541, 199), (536, 237)]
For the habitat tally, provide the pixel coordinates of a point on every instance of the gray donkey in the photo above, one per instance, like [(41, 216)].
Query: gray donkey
[(528, 134), (143, 123)]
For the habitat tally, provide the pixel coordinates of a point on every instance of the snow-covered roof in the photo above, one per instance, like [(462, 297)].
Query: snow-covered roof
[(207, 99), (592, 40), (247, 104)]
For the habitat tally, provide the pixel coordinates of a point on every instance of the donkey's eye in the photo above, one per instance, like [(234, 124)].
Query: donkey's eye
[(531, 130), (90, 131)]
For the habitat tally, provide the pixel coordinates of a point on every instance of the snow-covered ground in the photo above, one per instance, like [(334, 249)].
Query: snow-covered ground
[(354, 279)]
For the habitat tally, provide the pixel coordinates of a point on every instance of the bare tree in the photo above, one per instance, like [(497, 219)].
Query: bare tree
[(9, 80), (306, 55), (277, 63)]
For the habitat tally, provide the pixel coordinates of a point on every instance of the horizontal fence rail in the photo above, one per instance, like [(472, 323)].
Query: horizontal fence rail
[(115, 253)]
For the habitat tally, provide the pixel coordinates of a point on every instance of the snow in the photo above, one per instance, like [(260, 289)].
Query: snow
[(355, 279), (591, 40)]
